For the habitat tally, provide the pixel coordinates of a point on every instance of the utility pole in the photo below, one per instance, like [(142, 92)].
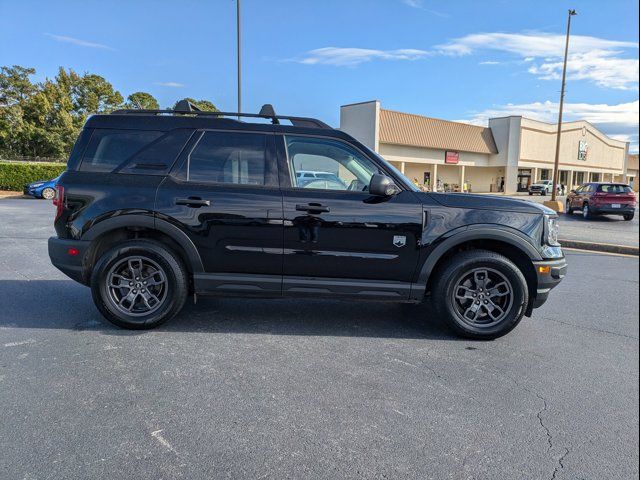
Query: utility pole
[(239, 58), (564, 78)]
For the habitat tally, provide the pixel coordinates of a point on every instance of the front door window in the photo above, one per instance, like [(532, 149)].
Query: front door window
[(323, 164)]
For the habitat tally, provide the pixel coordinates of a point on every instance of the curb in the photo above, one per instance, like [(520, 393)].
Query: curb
[(601, 247)]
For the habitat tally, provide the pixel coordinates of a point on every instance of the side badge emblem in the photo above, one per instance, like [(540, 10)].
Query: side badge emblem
[(399, 241)]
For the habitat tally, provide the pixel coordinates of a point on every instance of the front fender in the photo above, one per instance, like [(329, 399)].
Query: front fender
[(474, 232)]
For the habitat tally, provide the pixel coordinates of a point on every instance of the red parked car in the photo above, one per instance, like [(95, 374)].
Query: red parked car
[(608, 198)]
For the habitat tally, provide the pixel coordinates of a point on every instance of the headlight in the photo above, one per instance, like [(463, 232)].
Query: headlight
[(36, 185), (551, 229)]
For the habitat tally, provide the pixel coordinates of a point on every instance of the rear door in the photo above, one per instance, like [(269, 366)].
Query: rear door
[(224, 194), (339, 239)]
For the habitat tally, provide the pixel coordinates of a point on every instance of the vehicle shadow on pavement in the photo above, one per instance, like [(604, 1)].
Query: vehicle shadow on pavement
[(64, 304)]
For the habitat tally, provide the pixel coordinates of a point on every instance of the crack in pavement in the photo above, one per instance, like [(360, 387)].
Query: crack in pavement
[(559, 461), (560, 465), (592, 329)]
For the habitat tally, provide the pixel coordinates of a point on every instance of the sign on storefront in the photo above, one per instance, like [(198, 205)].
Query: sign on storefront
[(451, 157), (583, 149)]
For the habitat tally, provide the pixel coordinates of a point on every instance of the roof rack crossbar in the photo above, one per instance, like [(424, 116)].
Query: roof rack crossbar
[(296, 121)]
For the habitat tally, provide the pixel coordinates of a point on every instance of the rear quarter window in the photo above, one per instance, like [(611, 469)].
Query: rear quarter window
[(108, 148)]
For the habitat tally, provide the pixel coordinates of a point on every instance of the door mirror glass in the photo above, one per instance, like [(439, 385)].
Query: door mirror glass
[(382, 186)]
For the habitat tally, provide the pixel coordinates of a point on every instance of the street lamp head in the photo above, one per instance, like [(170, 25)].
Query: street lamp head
[(572, 12)]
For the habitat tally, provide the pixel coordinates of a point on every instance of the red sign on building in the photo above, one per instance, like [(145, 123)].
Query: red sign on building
[(451, 157)]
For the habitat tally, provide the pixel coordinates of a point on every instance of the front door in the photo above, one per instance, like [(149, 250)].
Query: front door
[(339, 239), (225, 195)]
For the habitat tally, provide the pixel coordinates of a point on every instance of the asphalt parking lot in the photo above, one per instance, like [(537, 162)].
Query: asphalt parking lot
[(610, 229), (237, 388)]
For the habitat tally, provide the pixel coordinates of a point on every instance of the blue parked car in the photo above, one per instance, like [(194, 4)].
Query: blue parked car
[(42, 188)]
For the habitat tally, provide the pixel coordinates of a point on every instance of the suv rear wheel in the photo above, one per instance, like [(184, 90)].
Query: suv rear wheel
[(139, 284), (481, 294)]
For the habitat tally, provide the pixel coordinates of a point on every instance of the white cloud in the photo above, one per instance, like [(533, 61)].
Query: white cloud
[(420, 5), (77, 41), (618, 121), (338, 56), (170, 84), (598, 60), (489, 62)]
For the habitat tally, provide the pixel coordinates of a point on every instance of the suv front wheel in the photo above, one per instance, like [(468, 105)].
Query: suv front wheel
[(481, 294), (139, 284)]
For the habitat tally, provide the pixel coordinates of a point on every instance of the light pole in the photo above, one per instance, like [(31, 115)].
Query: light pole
[(239, 58), (564, 78)]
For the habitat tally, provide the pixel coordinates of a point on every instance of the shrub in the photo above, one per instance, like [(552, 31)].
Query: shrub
[(14, 175)]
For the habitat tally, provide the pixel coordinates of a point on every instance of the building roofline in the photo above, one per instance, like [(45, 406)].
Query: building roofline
[(434, 118), (359, 103)]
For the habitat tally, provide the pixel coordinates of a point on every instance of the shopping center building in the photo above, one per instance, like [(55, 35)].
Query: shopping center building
[(507, 156)]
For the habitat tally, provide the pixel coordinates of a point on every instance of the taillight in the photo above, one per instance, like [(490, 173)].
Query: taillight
[(58, 200)]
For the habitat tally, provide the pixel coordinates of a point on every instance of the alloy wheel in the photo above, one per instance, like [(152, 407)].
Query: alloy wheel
[(482, 297), (137, 286), (48, 193)]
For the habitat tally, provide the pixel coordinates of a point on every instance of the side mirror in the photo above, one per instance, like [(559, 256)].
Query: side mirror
[(382, 186), (572, 191)]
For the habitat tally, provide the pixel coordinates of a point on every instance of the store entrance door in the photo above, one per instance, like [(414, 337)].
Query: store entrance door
[(524, 180)]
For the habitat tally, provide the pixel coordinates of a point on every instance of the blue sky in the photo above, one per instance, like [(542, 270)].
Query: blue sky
[(458, 60)]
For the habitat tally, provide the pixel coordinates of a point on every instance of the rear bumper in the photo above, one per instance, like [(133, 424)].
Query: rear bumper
[(68, 257), (550, 274), (608, 210)]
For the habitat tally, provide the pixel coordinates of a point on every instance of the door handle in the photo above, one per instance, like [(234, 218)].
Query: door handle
[(193, 202), (313, 208)]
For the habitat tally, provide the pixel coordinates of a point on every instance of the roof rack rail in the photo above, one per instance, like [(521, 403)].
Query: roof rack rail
[(184, 107)]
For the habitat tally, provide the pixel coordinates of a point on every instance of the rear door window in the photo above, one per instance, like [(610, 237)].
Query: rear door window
[(108, 148), (229, 158)]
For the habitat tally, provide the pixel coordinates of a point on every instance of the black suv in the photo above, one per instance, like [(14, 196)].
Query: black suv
[(158, 205)]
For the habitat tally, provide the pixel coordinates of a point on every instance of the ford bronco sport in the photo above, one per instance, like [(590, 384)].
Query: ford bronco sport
[(157, 205)]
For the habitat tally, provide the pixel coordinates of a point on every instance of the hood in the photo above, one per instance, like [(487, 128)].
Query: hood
[(489, 202)]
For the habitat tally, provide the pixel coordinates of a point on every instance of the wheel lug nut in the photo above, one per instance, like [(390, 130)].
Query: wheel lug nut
[(144, 283), (485, 302), (131, 284), (134, 290), (478, 303)]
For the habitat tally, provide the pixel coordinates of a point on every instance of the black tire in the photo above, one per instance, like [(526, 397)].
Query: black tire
[(530, 194), (628, 217), (586, 212), (569, 210), (451, 309), (48, 193), (169, 284)]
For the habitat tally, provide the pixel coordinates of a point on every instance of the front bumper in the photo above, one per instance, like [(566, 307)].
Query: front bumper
[(29, 191), (550, 273), (68, 257)]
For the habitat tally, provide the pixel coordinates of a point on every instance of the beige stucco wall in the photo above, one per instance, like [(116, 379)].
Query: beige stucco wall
[(405, 153), (362, 121), (538, 144)]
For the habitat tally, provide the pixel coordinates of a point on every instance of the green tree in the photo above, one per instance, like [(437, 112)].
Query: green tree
[(142, 100), (44, 119)]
